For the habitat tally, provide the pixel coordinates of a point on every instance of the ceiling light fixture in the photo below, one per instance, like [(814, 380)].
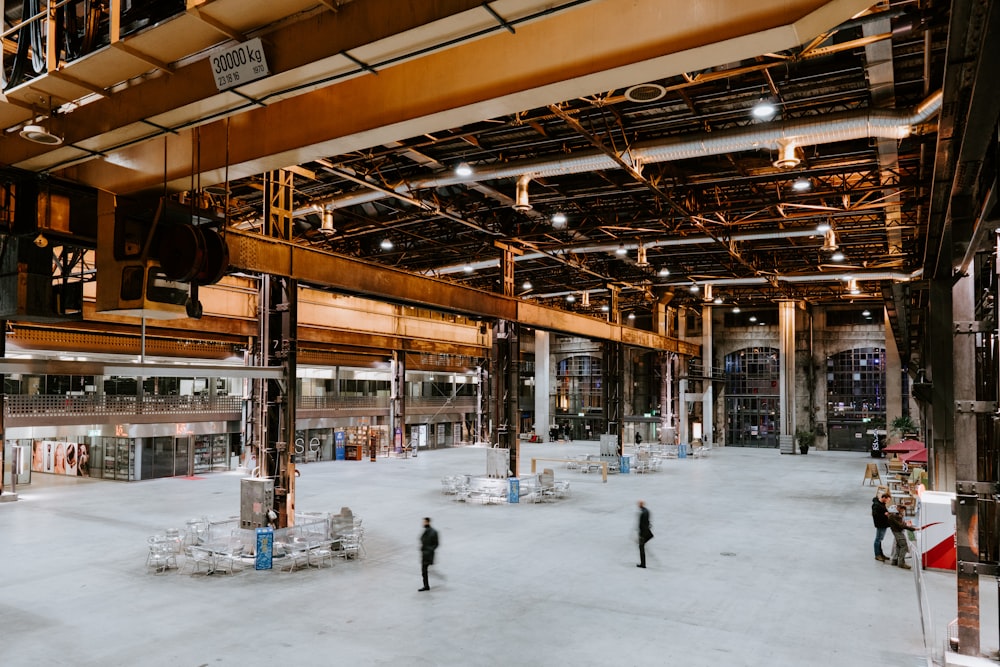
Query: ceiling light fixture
[(802, 184), (621, 250), (571, 298), (631, 316), (753, 318), (866, 313), (527, 285), (468, 268), (39, 135), (386, 244), (463, 169), (664, 272), (823, 227), (559, 220), (837, 256), (718, 301), (605, 308), (736, 309), (694, 287), (764, 110)]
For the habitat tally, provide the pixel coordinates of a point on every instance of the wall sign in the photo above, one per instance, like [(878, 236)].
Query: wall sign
[(238, 65)]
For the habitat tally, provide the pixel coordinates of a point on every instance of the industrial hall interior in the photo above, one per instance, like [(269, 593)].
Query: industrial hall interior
[(281, 278)]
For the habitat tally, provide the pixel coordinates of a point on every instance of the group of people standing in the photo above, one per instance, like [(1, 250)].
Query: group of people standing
[(889, 517)]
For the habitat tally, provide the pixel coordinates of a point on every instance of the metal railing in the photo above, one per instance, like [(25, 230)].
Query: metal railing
[(26, 406)]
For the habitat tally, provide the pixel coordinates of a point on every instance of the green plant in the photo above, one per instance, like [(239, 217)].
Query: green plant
[(806, 439), (903, 425)]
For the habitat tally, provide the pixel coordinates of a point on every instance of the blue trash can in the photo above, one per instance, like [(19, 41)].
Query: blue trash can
[(682, 451), (625, 465), (513, 490)]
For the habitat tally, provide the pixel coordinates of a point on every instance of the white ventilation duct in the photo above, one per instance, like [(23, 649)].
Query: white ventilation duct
[(846, 126), (787, 159)]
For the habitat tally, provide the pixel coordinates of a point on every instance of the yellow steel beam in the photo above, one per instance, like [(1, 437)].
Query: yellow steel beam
[(255, 253), (543, 62)]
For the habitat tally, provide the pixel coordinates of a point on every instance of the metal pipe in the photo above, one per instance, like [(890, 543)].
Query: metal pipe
[(870, 124)]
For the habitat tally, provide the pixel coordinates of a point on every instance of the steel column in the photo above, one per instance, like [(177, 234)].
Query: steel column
[(966, 468), (613, 371), (397, 404), (504, 385)]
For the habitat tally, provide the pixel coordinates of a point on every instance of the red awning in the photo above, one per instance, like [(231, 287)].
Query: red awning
[(905, 446)]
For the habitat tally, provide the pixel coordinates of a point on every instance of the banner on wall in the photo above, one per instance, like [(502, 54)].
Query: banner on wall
[(60, 458)]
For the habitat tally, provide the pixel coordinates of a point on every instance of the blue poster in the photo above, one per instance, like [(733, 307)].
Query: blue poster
[(514, 490), (340, 438), (624, 465), (265, 549)]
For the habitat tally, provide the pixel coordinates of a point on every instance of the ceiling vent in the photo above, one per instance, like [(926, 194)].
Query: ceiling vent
[(645, 92), (40, 135)]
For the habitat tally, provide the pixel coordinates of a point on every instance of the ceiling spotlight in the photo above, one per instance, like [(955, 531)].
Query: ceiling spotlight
[(837, 256), (664, 272), (736, 309), (527, 285), (468, 268), (717, 301), (631, 316), (621, 250), (39, 135), (753, 318), (764, 110), (571, 298), (761, 323), (559, 220), (386, 244), (463, 170), (694, 287), (605, 308), (801, 184), (866, 313), (823, 227)]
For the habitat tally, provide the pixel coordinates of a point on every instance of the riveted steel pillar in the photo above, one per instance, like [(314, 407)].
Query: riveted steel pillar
[(504, 388), (397, 405), (613, 373), (278, 347)]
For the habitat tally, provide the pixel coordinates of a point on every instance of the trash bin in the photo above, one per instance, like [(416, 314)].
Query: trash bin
[(624, 465), (682, 451), (877, 445), (513, 490)]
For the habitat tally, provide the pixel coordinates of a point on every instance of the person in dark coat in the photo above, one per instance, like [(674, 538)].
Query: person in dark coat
[(645, 533), (880, 516), (428, 544)]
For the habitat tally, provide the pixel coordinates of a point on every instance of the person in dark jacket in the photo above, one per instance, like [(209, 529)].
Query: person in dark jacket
[(899, 526), (428, 544), (645, 533), (880, 516)]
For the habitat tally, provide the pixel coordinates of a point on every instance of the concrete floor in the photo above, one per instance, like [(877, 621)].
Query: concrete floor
[(759, 559)]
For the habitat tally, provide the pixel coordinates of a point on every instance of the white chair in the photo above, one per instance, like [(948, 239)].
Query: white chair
[(161, 556), (196, 558)]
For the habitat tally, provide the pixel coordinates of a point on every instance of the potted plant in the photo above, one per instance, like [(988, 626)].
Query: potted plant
[(806, 439), (904, 426)]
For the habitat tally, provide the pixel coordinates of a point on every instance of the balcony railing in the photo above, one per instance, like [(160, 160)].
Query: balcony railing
[(39, 406), (27, 406)]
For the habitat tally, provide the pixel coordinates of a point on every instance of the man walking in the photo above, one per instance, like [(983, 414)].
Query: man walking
[(428, 544), (645, 533), (880, 516)]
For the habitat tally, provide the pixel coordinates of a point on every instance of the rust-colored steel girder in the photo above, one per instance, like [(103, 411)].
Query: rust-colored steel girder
[(541, 63), (259, 254)]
